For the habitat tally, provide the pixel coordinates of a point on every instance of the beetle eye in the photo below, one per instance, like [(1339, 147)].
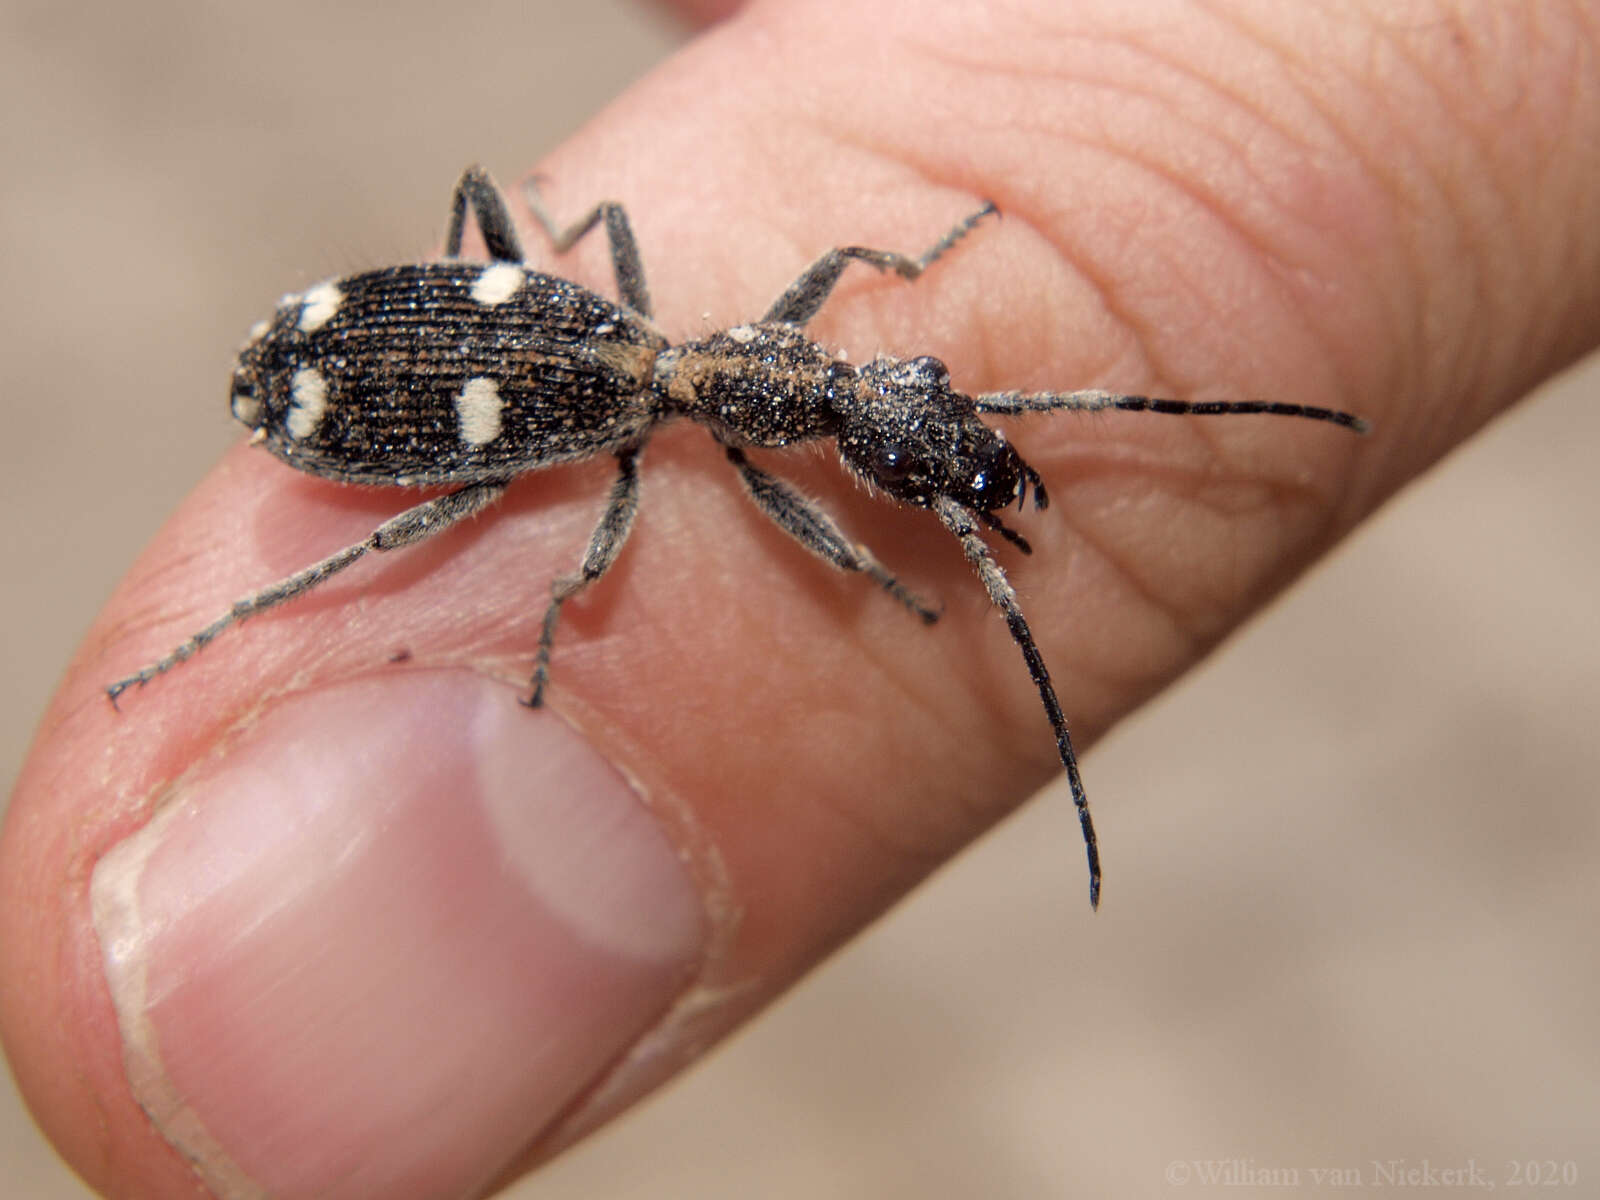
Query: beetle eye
[(891, 463), (925, 372), (932, 370)]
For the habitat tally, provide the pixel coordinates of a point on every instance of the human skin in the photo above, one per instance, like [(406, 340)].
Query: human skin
[(1385, 211)]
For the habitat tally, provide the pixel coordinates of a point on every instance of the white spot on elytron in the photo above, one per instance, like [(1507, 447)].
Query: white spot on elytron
[(308, 392), (322, 302), (247, 408), (498, 283), (259, 331), (742, 334), (478, 407)]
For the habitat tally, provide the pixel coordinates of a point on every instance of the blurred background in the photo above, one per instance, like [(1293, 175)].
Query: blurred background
[(1355, 860)]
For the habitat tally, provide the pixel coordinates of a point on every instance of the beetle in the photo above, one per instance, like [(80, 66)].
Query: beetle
[(470, 374)]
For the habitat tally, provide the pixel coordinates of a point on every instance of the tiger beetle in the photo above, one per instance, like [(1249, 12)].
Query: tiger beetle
[(469, 375)]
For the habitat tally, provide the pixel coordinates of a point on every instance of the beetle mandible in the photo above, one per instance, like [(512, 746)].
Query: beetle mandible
[(470, 374)]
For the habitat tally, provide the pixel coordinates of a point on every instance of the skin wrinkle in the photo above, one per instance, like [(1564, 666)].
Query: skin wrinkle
[(873, 823), (1218, 209), (876, 652), (1103, 286), (1515, 204), (872, 651), (156, 613), (1404, 178), (1121, 570), (876, 832), (1174, 111), (1199, 634), (158, 610), (1543, 311), (1252, 109), (1157, 375), (1276, 52), (921, 171), (1343, 127), (1466, 360), (1271, 498), (777, 156), (1348, 392)]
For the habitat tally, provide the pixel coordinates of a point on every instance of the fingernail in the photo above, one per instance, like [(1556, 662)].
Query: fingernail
[(385, 938)]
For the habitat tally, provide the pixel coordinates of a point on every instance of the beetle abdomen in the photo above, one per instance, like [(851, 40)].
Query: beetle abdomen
[(446, 372)]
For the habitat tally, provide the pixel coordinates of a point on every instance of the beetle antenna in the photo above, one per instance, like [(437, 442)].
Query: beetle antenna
[(959, 520), (1013, 403)]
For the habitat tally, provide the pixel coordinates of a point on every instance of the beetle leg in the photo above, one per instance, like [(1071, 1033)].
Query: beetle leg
[(494, 218), (604, 545), (804, 521), (414, 525), (802, 298), (625, 262)]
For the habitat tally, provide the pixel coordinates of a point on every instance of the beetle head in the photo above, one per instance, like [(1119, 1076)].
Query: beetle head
[(903, 429)]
